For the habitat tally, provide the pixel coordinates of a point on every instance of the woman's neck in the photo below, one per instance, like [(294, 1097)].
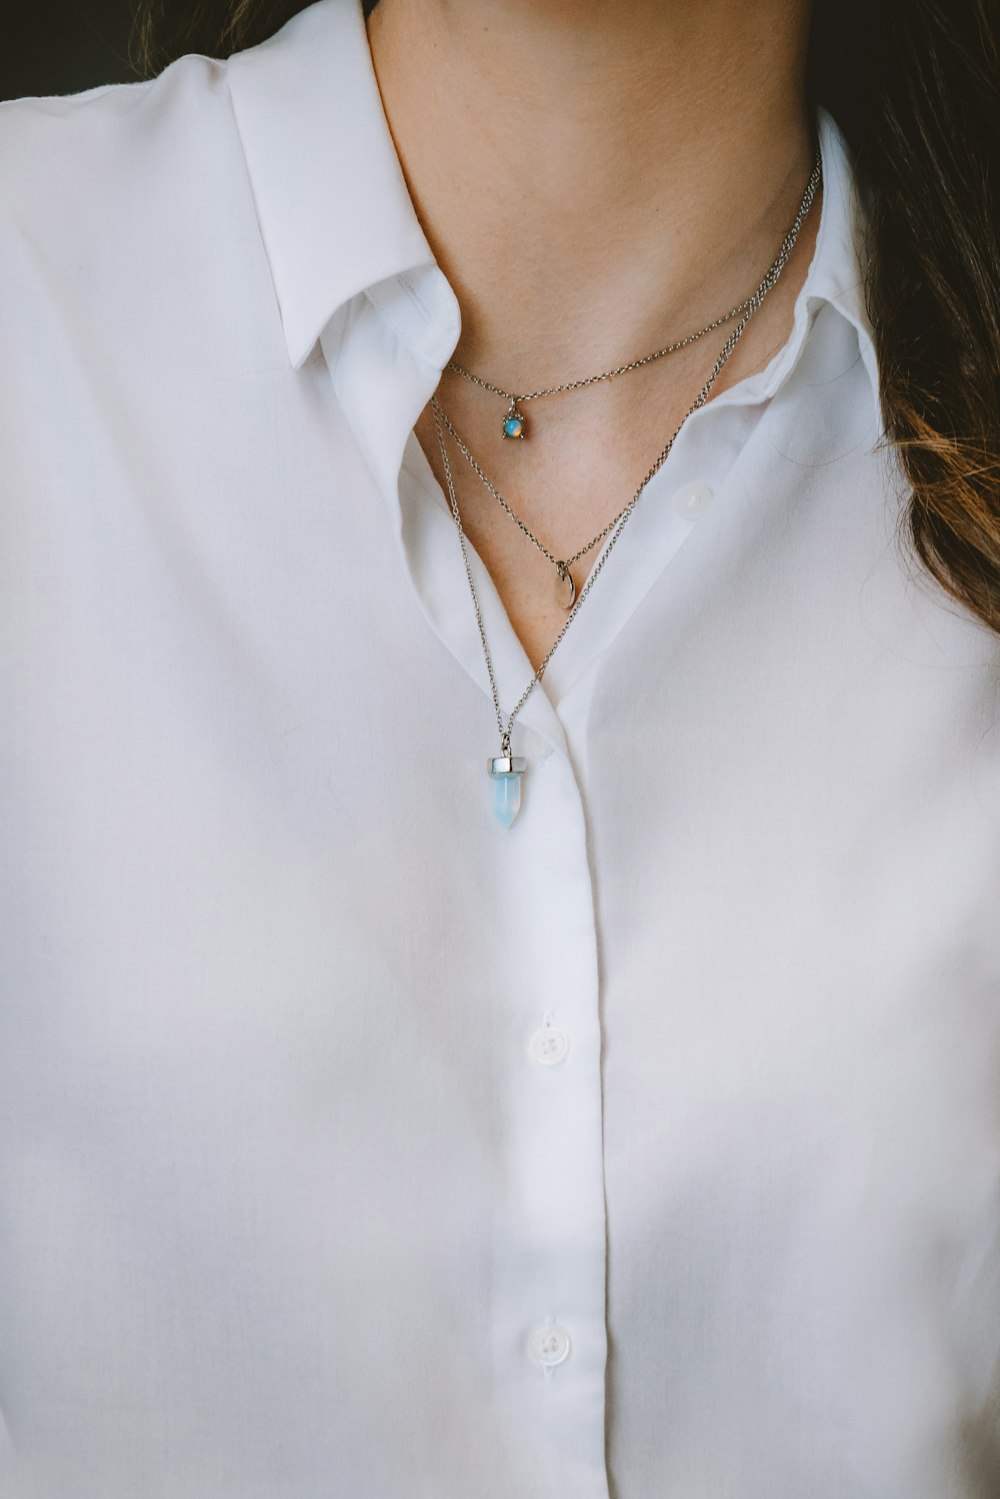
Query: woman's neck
[(595, 177)]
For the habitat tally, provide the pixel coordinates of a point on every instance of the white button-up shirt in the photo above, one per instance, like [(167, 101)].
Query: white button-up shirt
[(351, 1145)]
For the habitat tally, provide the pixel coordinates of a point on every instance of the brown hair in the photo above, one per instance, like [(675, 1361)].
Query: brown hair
[(915, 87), (165, 29)]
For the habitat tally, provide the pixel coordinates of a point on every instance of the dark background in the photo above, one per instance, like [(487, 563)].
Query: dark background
[(61, 47)]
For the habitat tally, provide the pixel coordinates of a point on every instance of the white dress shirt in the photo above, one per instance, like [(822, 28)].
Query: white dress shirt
[(351, 1145)]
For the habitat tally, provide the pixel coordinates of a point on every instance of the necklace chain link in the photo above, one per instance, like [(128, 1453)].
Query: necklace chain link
[(622, 369)]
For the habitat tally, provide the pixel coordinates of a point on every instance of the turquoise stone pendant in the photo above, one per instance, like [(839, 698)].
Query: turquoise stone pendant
[(514, 424), (506, 772)]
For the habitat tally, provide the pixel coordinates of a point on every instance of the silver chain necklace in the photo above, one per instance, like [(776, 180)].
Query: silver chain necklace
[(565, 585), (505, 769), (515, 423)]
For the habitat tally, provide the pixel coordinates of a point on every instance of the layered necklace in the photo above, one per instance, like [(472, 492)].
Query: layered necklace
[(507, 770)]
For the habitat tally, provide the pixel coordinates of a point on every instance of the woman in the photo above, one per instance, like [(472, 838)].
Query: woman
[(438, 1062)]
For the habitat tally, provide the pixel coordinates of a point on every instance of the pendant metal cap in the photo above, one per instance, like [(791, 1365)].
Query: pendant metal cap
[(506, 765)]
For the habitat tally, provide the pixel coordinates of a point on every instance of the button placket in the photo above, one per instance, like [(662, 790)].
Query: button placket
[(551, 1291), (549, 1345)]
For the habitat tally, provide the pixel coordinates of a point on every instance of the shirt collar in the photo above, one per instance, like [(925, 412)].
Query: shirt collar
[(837, 272), (334, 211), (336, 217)]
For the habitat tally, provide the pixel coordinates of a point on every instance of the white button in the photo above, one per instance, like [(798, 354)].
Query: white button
[(548, 1046), (549, 1345), (691, 500)]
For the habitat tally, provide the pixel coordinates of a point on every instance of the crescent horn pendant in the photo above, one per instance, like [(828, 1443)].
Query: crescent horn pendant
[(565, 588)]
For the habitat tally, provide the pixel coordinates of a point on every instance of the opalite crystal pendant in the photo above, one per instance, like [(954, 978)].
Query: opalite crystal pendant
[(514, 424), (506, 772)]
